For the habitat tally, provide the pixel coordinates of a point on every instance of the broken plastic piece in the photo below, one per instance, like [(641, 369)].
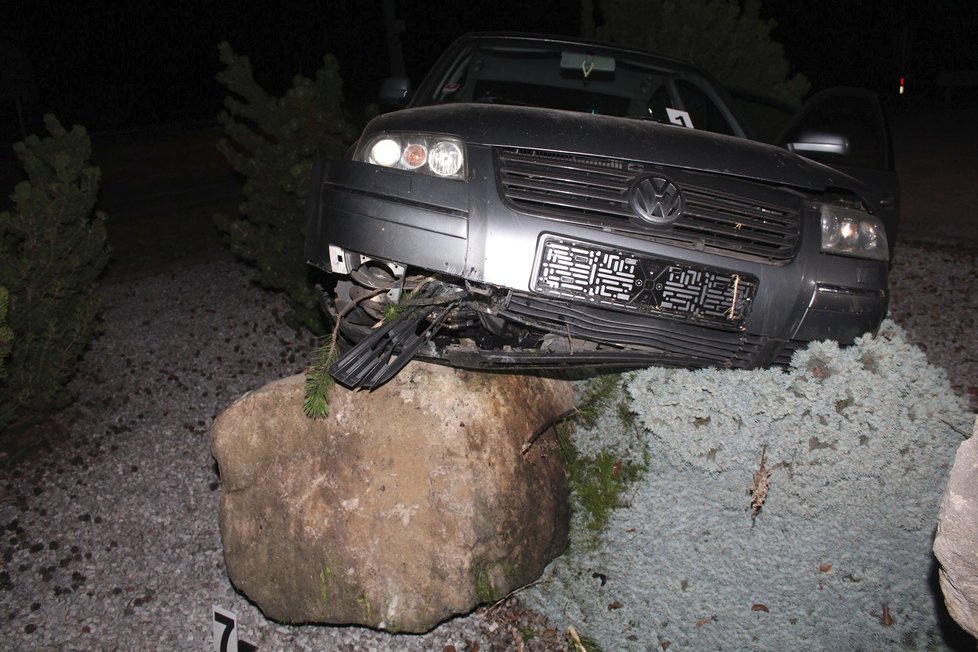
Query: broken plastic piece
[(379, 357)]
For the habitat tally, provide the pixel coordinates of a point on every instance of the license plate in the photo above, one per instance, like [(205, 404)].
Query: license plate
[(585, 271)]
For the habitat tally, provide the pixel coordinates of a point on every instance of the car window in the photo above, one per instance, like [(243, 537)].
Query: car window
[(537, 77), (701, 108), (556, 76), (767, 117), (510, 92), (659, 103)]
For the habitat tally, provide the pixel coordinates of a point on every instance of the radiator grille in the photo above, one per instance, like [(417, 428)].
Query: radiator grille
[(594, 191)]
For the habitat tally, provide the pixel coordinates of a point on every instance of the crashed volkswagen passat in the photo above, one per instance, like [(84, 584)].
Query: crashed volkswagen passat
[(550, 203)]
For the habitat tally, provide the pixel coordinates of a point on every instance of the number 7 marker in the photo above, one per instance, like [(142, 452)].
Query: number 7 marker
[(225, 633)]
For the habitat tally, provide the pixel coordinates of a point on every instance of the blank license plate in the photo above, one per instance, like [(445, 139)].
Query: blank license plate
[(594, 273)]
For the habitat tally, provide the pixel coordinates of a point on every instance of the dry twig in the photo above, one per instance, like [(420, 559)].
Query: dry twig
[(578, 645), (759, 486), (545, 427)]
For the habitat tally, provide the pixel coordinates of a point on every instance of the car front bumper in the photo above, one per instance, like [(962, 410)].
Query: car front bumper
[(466, 230)]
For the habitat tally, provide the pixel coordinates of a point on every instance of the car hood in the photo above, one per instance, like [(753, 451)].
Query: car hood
[(624, 138)]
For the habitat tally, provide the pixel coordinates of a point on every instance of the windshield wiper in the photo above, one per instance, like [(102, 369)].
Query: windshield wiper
[(646, 118), (489, 98)]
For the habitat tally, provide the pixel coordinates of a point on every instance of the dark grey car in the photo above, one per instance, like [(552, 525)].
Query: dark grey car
[(548, 203)]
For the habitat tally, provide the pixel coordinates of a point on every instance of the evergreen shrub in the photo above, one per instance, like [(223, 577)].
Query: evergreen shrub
[(727, 38), (52, 251), (824, 546), (273, 142)]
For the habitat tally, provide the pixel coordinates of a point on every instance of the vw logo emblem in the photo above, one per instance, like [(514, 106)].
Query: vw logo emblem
[(656, 200)]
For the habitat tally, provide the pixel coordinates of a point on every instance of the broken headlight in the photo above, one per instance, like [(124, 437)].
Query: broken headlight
[(441, 156), (851, 232)]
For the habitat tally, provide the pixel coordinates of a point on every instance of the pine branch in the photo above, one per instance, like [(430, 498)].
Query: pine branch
[(318, 380)]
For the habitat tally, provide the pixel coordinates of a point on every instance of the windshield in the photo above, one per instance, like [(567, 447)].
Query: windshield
[(560, 76)]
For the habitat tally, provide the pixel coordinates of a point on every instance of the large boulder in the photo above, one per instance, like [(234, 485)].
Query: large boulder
[(408, 505), (956, 544)]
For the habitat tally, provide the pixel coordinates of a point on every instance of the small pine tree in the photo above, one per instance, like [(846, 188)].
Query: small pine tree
[(52, 251), (727, 38), (273, 143)]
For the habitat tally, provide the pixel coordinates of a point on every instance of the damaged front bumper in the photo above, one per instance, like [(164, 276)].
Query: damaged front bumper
[(520, 291)]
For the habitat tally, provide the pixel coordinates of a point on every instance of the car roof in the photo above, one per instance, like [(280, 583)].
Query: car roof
[(576, 41)]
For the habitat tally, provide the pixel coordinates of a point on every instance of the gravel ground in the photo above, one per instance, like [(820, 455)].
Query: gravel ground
[(108, 523), (109, 528), (934, 289)]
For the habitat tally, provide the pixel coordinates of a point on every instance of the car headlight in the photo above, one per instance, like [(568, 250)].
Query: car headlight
[(441, 156), (851, 232)]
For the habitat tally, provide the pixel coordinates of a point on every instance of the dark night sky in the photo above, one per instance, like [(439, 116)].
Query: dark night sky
[(112, 65)]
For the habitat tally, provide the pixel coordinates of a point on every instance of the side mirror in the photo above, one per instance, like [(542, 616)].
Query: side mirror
[(395, 91), (819, 142)]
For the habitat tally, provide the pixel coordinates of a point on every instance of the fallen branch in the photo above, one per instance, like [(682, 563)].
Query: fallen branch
[(550, 423)]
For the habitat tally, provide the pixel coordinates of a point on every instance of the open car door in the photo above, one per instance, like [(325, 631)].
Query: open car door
[(845, 128)]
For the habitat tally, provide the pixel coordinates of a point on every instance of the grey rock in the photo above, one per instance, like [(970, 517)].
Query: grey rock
[(406, 506), (956, 543)]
